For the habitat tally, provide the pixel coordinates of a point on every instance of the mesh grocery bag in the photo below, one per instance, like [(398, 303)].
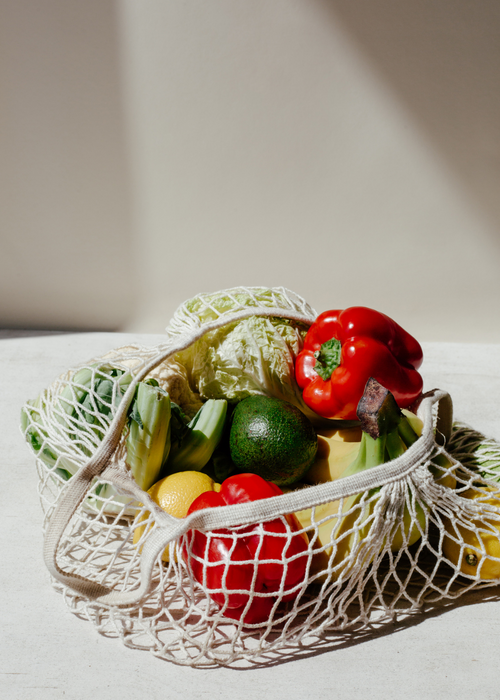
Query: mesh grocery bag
[(380, 545)]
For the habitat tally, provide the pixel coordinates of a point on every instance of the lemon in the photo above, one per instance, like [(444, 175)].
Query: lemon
[(475, 559), (174, 494)]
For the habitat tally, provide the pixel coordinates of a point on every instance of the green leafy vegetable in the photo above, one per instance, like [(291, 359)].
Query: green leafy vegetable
[(84, 410), (252, 356)]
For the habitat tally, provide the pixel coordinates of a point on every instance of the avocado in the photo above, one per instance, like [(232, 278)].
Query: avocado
[(272, 438)]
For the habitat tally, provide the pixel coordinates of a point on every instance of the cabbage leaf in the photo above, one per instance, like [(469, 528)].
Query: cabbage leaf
[(251, 356)]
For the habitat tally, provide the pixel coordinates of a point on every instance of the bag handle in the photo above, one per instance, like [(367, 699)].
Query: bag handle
[(169, 528), (79, 485)]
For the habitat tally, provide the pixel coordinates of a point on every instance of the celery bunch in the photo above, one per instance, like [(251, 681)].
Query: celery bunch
[(85, 409)]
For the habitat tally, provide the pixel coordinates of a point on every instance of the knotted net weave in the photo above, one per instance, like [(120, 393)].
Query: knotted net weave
[(383, 545)]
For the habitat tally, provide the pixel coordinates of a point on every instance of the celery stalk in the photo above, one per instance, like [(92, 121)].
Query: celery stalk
[(203, 434), (148, 440)]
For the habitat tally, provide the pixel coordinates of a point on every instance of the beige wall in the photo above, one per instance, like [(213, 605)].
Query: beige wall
[(66, 231), (349, 150)]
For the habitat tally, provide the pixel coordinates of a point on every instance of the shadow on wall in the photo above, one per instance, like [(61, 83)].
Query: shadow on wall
[(137, 134), (442, 61)]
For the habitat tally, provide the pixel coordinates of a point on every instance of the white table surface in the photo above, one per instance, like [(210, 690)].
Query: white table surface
[(47, 652)]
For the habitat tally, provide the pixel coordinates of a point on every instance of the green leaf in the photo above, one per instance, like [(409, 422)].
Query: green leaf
[(135, 415), (178, 424), (104, 390)]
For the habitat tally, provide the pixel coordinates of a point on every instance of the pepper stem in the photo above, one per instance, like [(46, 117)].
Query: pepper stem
[(328, 358)]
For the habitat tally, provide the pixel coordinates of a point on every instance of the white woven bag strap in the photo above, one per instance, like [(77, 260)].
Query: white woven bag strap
[(79, 485), (170, 528)]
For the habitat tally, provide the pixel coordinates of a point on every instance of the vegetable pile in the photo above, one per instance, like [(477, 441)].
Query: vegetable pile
[(251, 410)]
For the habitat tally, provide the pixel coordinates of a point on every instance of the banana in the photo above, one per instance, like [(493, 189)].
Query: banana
[(332, 458)]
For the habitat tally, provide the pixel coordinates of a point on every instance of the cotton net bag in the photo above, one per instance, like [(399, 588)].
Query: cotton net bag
[(401, 540)]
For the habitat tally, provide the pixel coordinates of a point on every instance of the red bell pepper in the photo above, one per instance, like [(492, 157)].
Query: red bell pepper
[(232, 565), (343, 349)]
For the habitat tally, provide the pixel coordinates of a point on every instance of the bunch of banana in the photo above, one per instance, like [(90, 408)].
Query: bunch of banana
[(341, 528)]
